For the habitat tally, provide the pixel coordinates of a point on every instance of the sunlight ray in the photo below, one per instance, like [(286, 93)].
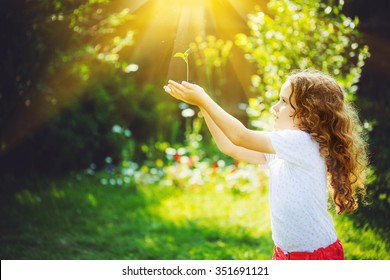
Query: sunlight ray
[(135, 5), (42, 108), (243, 7), (154, 36), (161, 29), (191, 24), (243, 71)]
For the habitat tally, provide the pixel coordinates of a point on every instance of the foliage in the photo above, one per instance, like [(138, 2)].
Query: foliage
[(211, 57), (371, 102), (77, 218), (77, 94), (48, 59), (68, 91), (299, 35), (193, 164)]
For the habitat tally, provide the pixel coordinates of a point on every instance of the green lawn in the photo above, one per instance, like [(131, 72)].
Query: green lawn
[(81, 219)]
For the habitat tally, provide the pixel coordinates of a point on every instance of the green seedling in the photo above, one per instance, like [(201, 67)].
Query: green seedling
[(184, 56)]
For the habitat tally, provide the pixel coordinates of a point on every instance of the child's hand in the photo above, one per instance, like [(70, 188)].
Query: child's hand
[(187, 92)]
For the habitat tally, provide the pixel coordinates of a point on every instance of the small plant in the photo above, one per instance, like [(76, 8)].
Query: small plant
[(184, 56)]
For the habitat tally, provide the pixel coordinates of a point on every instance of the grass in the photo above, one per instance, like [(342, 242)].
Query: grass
[(80, 219)]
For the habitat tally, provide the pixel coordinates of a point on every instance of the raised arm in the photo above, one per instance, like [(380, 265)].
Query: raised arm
[(234, 130), (227, 147)]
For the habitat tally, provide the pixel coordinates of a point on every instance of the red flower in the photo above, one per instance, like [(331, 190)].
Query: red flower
[(176, 157), (214, 165)]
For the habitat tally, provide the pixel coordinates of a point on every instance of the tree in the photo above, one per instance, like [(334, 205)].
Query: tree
[(54, 51), (297, 35)]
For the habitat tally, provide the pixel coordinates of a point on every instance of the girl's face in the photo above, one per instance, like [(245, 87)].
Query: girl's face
[(284, 111)]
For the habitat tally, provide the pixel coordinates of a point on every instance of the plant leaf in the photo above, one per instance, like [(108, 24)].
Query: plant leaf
[(179, 54), (182, 55)]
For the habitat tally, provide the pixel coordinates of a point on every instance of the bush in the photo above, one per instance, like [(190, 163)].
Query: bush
[(299, 35)]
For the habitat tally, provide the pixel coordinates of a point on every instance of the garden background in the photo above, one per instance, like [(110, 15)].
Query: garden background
[(97, 162)]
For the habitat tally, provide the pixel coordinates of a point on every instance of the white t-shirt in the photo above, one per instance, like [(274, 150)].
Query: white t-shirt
[(298, 195)]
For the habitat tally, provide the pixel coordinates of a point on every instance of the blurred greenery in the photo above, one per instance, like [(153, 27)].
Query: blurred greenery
[(300, 35), (97, 163), (211, 57), (79, 218), (85, 87)]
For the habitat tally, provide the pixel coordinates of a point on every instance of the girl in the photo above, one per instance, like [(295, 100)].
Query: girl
[(316, 146)]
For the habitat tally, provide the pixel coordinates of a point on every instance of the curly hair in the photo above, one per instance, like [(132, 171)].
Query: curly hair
[(334, 124)]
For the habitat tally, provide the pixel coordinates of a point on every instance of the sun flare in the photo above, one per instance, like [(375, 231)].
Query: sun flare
[(168, 27), (160, 29)]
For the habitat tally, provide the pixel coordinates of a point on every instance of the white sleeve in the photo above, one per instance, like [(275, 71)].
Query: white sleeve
[(294, 146)]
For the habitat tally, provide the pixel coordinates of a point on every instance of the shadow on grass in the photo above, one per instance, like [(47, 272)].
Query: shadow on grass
[(83, 220)]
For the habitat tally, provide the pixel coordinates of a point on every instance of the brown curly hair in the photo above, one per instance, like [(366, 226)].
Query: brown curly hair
[(334, 124)]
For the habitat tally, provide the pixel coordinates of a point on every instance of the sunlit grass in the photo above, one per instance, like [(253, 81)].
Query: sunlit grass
[(362, 242), (81, 219)]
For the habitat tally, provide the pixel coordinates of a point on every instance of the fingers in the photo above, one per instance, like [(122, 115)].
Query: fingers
[(167, 89), (176, 86), (186, 84), (171, 82), (178, 91), (174, 89)]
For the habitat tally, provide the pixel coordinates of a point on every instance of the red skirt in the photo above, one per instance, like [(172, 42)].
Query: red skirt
[(334, 251)]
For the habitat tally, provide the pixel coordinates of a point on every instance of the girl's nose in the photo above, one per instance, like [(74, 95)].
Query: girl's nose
[(275, 108)]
